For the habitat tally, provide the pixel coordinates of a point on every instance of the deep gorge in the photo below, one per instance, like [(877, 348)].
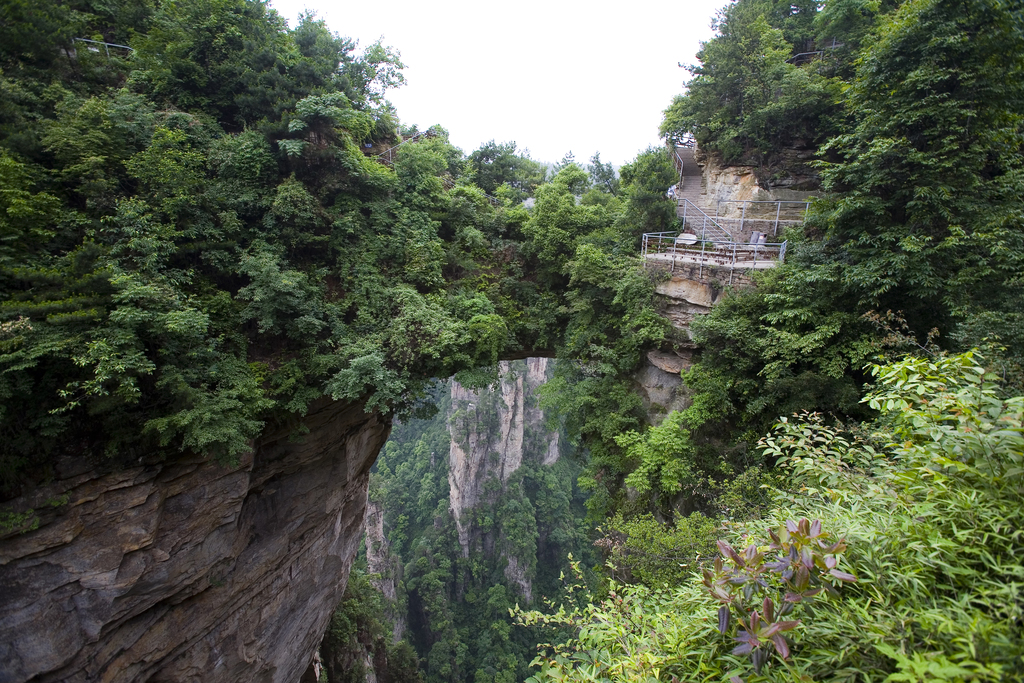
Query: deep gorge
[(248, 314)]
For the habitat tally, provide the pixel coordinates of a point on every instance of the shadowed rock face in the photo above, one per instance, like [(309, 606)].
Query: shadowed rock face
[(189, 571)]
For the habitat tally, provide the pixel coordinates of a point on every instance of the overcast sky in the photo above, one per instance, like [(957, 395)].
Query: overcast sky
[(551, 75)]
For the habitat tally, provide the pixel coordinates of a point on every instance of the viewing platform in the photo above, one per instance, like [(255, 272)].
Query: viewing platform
[(701, 258), (724, 249)]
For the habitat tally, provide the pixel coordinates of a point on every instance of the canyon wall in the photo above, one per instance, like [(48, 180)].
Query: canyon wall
[(189, 570), (792, 179), (383, 568), (742, 199), (492, 430)]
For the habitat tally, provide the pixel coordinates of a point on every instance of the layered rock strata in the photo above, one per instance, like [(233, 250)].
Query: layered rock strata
[(190, 571)]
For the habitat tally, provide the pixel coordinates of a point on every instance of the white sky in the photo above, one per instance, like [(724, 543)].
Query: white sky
[(552, 75)]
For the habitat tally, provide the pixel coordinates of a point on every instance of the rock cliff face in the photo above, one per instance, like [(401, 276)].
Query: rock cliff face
[(692, 289), (681, 299), (189, 571), (491, 431), (383, 567), (792, 180)]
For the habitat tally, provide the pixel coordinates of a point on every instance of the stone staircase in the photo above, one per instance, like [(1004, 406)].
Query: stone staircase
[(690, 176)]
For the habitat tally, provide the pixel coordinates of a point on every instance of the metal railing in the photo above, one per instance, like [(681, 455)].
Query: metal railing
[(696, 221), (678, 162), (387, 157), (106, 46), (672, 249), (450, 184), (778, 220), (679, 165)]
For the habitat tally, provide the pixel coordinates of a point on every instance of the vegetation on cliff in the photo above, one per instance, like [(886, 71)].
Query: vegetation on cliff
[(197, 238), (925, 586), (459, 569), (915, 246), (914, 250)]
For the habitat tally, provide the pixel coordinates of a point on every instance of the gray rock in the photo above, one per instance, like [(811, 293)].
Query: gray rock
[(190, 571)]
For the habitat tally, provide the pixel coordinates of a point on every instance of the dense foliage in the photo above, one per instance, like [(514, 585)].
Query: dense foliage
[(925, 501), (916, 241), (359, 640), (454, 592), (914, 247), (198, 239), (767, 81)]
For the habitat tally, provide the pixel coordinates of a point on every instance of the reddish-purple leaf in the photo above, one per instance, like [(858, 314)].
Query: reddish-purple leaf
[(781, 646), (791, 526), (843, 576), (830, 562), (735, 679), (815, 528), (758, 657), (769, 609), (750, 553), (730, 553), (724, 617), (742, 649), (778, 627), (793, 597), (801, 578), (837, 547), (755, 622)]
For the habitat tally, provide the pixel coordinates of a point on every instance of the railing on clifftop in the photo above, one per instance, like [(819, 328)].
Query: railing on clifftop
[(670, 249), (762, 215), (695, 220), (387, 157)]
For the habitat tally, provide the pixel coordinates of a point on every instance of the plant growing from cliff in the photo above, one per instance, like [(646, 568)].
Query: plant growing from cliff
[(747, 99), (929, 501), (921, 214), (757, 587), (918, 219)]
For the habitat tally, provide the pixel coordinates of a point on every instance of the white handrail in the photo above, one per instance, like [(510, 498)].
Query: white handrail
[(668, 246), (106, 46), (707, 223), (389, 150), (778, 211)]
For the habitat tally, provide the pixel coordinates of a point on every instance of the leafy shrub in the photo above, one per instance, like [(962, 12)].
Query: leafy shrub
[(929, 504)]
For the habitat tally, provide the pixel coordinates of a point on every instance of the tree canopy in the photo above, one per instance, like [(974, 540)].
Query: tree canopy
[(197, 238)]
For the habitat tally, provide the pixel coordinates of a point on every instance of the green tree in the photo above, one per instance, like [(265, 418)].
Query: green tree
[(915, 516), (747, 100), (494, 165), (602, 175), (922, 212)]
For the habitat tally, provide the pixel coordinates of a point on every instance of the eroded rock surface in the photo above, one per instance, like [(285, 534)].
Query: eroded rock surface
[(491, 432), (660, 385), (383, 568), (190, 571), (724, 185)]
